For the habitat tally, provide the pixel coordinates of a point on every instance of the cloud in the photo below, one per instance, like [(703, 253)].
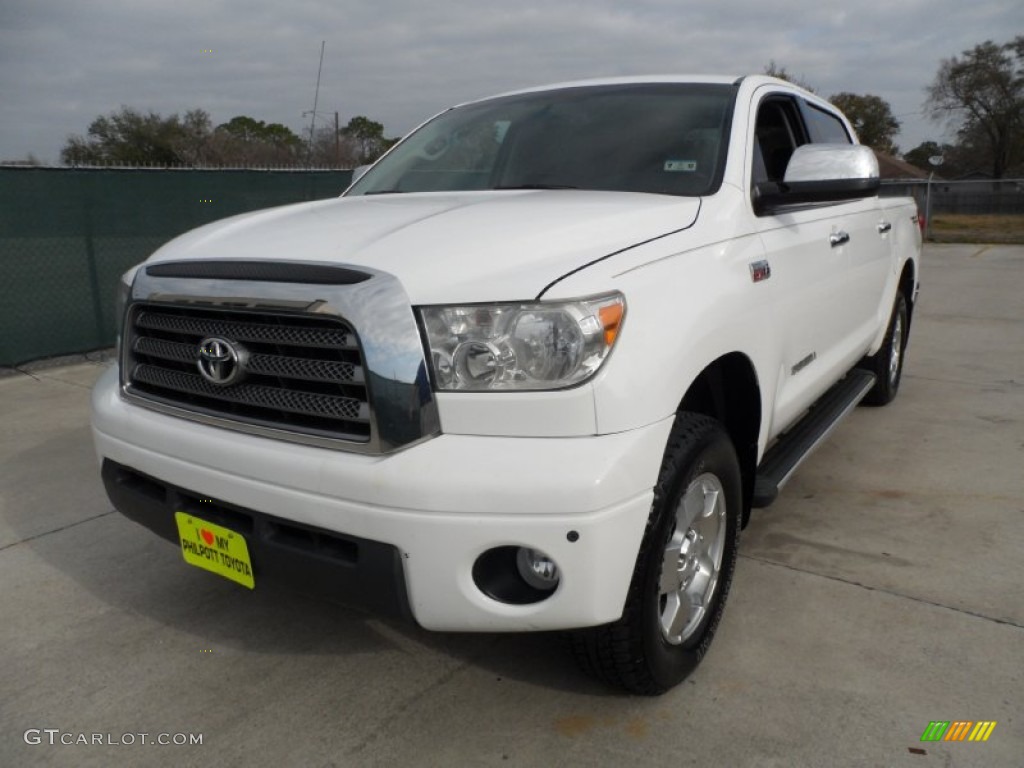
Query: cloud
[(399, 61)]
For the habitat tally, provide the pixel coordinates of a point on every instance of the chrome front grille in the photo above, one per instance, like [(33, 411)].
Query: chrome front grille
[(303, 373)]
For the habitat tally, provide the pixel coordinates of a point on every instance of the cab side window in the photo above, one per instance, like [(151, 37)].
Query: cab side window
[(777, 132)]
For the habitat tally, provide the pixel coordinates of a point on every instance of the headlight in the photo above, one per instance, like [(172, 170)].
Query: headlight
[(540, 345)]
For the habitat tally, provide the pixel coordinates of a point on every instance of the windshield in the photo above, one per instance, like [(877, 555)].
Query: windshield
[(666, 138)]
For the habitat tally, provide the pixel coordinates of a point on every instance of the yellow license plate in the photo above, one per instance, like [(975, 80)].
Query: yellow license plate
[(215, 549)]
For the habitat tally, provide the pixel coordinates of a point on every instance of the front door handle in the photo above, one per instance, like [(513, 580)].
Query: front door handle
[(838, 238), (884, 227)]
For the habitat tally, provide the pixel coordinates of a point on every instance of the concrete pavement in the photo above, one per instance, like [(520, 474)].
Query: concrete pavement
[(883, 590)]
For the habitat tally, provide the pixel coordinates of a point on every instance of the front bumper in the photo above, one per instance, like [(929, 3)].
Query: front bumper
[(439, 504), (320, 563)]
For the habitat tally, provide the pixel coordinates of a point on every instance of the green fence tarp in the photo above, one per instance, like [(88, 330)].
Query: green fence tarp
[(66, 234)]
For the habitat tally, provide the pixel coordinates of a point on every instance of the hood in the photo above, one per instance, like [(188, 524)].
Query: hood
[(448, 247)]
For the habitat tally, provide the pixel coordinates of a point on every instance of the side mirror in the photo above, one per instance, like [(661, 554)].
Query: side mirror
[(821, 173)]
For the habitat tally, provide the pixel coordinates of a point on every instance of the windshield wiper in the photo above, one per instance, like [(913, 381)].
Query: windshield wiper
[(385, 192), (537, 186)]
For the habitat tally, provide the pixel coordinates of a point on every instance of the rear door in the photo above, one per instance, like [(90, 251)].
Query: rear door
[(870, 248)]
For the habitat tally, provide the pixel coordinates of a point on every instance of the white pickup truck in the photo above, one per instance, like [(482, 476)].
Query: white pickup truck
[(530, 372)]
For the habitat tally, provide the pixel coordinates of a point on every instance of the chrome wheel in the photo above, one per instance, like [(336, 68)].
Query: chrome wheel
[(692, 559), (895, 348), (684, 566)]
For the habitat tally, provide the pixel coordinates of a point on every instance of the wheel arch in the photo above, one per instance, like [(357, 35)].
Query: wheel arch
[(728, 390)]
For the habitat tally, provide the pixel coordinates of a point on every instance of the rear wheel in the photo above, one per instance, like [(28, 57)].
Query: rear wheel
[(684, 569), (887, 363)]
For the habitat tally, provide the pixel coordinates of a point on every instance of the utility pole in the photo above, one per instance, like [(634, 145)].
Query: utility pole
[(337, 143), (316, 98)]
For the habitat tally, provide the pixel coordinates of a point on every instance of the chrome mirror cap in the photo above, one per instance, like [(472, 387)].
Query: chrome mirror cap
[(829, 162)]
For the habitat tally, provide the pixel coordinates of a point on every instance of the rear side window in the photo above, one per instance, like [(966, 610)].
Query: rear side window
[(825, 127)]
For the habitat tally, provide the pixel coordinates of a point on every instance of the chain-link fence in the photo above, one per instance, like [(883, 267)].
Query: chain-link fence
[(968, 197), (67, 234)]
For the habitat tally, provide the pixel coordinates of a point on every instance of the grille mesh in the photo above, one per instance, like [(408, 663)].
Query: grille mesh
[(270, 365), (248, 394), (239, 331), (302, 373)]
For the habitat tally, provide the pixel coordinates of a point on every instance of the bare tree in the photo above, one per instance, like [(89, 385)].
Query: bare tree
[(192, 142), (775, 70), (982, 94), (334, 149)]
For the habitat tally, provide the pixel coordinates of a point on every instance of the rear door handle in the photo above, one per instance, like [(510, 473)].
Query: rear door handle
[(838, 238), (884, 227)]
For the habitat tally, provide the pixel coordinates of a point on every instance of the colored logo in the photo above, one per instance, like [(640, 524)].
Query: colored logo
[(958, 730), (760, 270)]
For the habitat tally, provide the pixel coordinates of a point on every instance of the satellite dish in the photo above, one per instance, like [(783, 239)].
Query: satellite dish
[(936, 160)]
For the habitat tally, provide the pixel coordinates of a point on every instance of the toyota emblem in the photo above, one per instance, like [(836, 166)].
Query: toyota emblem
[(221, 362)]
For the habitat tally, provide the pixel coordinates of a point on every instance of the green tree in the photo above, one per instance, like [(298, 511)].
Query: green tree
[(952, 158), (920, 154), (130, 137), (127, 137), (981, 93), (872, 119), (369, 138), (246, 141), (252, 131), (243, 128)]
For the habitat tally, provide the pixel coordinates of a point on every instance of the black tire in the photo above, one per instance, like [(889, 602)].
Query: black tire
[(635, 652), (887, 363)]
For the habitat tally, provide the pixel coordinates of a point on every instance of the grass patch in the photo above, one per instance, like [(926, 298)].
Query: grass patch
[(980, 228)]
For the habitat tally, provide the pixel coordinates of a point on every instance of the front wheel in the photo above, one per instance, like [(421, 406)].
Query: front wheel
[(887, 363), (684, 568)]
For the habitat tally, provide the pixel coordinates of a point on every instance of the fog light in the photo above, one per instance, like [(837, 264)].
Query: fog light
[(515, 575), (537, 569)]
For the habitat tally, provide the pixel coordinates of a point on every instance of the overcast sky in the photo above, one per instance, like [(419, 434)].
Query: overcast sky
[(63, 62)]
